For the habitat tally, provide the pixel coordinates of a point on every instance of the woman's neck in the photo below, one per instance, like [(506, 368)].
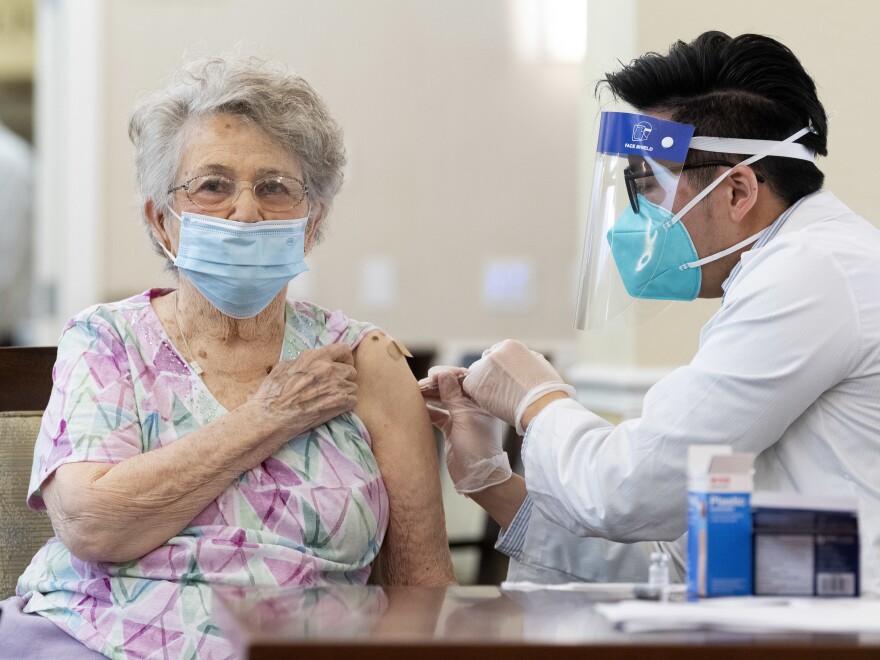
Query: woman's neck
[(225, 349), (199, 319)]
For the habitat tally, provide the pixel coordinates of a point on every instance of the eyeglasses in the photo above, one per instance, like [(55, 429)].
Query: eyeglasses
[(215, 192), (634, 188)]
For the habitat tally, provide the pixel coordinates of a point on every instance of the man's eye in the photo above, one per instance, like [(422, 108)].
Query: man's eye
[(646, 185)]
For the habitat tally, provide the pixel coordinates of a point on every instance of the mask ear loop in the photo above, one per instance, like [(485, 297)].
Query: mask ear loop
[(779, 146), (723, 253), (162, 245)]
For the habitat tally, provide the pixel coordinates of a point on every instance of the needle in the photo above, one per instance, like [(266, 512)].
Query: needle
[(432, 386)]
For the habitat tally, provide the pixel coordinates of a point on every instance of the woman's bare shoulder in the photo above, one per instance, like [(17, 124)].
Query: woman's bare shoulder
[(383, 375)]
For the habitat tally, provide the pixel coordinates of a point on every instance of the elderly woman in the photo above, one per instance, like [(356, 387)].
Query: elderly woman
[(220, 434)]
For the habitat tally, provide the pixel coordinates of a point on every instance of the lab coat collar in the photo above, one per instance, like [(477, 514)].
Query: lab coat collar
[(814, 208)]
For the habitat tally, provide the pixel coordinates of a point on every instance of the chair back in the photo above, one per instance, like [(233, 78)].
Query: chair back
[(25, 385), (26, 377)]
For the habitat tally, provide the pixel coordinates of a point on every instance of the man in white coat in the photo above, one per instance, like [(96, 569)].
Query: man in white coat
[(707, 189)]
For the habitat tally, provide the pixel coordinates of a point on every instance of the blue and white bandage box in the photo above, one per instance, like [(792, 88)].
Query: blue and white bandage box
[(805, 545), (719, 559)]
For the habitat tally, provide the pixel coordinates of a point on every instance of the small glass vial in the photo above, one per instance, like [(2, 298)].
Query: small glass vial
[(658, 574)]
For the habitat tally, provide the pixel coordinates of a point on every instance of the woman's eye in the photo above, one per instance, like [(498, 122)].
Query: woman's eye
[(272, 188), (214, 186)]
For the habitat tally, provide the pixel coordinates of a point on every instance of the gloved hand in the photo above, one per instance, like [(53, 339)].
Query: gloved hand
[(509, 378), (474, 455)]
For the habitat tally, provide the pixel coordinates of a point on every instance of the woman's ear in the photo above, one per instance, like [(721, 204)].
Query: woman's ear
[(742, 192), (316, 217), (158, 223)]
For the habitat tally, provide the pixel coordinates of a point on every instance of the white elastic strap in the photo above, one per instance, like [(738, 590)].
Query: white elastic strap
[(162, 245), (723, 253), (748, 161), (167, 252), (738, 146), (536, 393)]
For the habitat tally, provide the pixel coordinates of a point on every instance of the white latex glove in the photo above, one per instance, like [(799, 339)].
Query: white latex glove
[(509, 378), (474, 455)]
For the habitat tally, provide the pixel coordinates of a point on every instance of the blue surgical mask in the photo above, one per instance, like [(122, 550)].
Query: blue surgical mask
[(655, 255), (239, 267)]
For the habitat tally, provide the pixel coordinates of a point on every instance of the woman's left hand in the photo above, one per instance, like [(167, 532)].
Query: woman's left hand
[(300, 394)]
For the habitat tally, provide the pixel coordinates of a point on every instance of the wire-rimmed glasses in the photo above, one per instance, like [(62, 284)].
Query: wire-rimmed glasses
[(215, 192)]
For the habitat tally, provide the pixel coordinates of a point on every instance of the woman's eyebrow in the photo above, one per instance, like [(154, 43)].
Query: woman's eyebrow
[(228, 171), (272, 171), (217, 168)]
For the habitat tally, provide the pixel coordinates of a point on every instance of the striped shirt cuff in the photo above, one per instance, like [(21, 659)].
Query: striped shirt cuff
[(512, 540)]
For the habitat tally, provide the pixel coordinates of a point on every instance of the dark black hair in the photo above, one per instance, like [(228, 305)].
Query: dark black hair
[(750, 86)]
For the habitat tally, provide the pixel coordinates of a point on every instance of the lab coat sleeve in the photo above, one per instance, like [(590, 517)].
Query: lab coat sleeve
[(542, 551), (787, 331)]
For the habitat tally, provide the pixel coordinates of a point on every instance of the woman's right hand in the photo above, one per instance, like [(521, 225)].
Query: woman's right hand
[(300, 394)]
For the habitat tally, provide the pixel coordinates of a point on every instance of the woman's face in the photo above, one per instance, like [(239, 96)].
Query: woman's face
[(228, 146)]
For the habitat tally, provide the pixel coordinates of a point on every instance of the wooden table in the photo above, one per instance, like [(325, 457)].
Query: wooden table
[(463, 623)]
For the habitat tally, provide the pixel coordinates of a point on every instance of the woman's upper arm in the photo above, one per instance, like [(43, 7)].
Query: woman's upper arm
[(92, 412), (415, 550)]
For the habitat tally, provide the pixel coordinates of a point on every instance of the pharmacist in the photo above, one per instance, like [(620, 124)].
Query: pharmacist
[(708, 188)]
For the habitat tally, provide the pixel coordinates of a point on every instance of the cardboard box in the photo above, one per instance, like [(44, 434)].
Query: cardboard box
[(719, 522), (805, 545)]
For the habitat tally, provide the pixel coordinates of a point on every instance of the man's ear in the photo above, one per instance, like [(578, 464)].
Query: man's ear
[(315, 219), (742, 192), (159, 226)]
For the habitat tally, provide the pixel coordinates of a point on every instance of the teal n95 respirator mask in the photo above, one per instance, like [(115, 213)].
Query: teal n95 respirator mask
[(638, 256), (239, 267)]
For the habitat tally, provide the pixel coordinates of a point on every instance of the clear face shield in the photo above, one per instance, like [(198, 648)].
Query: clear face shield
[(638, 257), (639, 164)]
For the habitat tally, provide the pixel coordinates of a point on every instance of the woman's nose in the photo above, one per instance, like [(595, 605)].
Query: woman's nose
[(245, 208)]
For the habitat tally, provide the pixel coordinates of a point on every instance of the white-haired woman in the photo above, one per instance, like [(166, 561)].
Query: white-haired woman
[(218, 433)]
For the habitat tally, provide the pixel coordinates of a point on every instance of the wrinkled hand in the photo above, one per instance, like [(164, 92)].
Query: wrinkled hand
[(474, 455), (300, 394), (509, 378)]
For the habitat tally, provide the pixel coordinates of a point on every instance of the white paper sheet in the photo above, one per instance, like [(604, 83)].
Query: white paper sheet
[(811, 615)]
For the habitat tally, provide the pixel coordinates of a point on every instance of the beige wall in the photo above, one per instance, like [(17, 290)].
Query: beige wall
[(459, 151), (837, 44)]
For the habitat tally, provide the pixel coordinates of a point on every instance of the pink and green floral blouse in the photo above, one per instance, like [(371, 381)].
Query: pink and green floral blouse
[(315, 513)]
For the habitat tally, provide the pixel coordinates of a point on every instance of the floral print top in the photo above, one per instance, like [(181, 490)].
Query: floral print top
[(314, 513)]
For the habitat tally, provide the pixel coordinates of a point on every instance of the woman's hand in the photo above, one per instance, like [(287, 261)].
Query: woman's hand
[(300, 394)]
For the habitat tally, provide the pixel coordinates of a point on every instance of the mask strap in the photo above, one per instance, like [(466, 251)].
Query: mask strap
[(777, 146), (723, 253), (162, 245), (167, 252)]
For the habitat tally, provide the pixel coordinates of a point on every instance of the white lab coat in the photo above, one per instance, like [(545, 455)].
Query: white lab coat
[(788, 368), (550, 554)]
